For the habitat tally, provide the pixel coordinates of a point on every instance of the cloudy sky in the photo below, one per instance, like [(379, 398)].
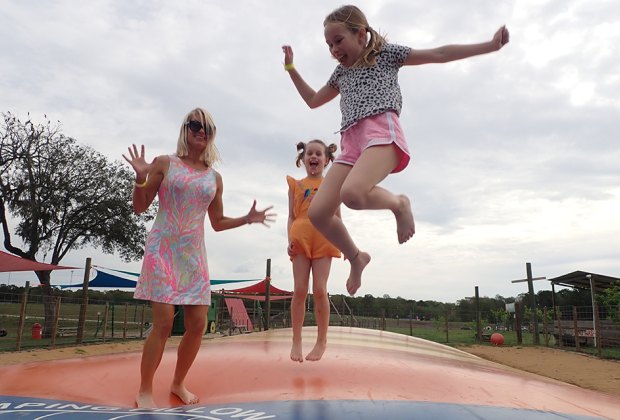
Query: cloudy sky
[(516, 154)]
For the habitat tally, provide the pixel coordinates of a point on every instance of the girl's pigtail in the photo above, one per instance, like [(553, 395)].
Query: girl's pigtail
[(373, 48), (301, 150), (331, 150)]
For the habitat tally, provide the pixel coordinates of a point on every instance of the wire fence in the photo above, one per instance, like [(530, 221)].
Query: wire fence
[(36, 321)]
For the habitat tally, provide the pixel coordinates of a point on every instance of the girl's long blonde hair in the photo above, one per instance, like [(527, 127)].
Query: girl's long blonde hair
[(210, 155), (354, 19)]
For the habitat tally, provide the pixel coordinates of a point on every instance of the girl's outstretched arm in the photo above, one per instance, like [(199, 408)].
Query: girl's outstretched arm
[(448, 53), (312, 98)]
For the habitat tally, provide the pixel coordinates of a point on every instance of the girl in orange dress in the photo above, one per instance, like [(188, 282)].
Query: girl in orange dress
[(308, 249)]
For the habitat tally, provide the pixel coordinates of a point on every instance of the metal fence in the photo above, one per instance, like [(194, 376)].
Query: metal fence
[(30, 322), (35, 321)]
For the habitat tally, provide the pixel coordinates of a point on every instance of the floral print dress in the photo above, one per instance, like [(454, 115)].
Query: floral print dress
[(175, 268)]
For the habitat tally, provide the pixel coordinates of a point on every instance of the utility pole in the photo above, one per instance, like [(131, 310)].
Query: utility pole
[(530, 288)]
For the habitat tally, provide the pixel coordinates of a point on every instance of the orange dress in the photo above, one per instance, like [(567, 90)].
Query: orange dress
[(306, 239)]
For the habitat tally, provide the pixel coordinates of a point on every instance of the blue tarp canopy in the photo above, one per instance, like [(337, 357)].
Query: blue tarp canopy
[(103, 280)]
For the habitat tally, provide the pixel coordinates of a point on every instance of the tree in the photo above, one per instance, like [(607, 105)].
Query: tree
[(63, 196), (610, 300)]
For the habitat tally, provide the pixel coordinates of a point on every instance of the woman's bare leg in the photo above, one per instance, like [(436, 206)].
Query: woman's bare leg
[(320, 274), (322, 213), (195, 321), (361, 192), (301, 277), (163, 315)]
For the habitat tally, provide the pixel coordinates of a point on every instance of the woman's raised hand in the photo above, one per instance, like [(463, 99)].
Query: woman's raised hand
[(138, 162)]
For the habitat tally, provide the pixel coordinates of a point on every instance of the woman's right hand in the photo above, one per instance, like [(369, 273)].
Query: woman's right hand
[(138, 162), (288, 54)]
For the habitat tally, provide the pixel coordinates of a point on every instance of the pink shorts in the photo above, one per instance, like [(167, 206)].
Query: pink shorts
[(371, 131)]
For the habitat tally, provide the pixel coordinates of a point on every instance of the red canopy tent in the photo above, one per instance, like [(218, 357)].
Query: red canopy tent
[(10, 262), (257, 291)]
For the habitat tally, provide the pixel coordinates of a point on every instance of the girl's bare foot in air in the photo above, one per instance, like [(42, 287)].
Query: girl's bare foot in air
[(184, 395), (296, 355), (317, 351), (405, 226), (145, 400), (358, 263)]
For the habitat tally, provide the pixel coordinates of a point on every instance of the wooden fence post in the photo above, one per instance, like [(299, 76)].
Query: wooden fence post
[(22, 317), (576, 329)]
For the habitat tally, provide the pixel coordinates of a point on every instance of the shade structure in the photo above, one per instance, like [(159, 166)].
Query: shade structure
[(257, 291), (10, 263)]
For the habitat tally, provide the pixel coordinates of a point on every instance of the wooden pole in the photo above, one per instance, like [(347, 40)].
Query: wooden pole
[(576, 329), (478, 320), (530, 288), (545, 327), (142, 318), (447, 326), (106, 310), (55, 322), (22, 317), (597, 332), (84, 305), (268, 295), (594, 318), (125, 320), (518, 307), (558, 316)]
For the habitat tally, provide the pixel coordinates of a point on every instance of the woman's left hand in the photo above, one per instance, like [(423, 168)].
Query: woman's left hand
[(260, 216)]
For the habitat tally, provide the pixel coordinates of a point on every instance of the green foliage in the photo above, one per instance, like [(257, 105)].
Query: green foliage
[(64, 196), (610, 297), (610, 300)]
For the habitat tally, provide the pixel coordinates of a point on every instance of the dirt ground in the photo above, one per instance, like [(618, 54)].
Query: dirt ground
[(567, 366), (574, 368)]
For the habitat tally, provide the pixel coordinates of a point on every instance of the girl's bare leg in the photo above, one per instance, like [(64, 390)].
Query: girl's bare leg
[(322, 213), (163, 315), (301, 276), (195, 321), (360, 190), (320, 274)]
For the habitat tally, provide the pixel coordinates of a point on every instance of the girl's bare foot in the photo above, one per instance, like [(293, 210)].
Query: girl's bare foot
[(317, 351), (144, 400), (296, 355), (358, 263), (405, 226), (184, 395)]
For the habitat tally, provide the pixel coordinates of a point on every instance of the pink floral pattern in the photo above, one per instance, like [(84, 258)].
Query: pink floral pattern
[(175, 268)]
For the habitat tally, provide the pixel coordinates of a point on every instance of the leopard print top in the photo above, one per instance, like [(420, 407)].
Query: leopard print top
[(367, 91)]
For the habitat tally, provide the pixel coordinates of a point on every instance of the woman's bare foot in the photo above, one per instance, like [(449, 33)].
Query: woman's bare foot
[(405, 226), (317, 351), (296, 355), (144, 400), (184, 395), (358, 263)]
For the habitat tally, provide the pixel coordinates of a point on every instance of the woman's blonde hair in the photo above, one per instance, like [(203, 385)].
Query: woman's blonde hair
[(354, 20), (210, 155), (329, 151)]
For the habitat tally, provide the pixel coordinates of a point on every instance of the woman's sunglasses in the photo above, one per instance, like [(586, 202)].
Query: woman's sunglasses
[(196, 126)]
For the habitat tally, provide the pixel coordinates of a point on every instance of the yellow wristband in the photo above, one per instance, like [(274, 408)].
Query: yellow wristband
[(289, 66), (139, 185)]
